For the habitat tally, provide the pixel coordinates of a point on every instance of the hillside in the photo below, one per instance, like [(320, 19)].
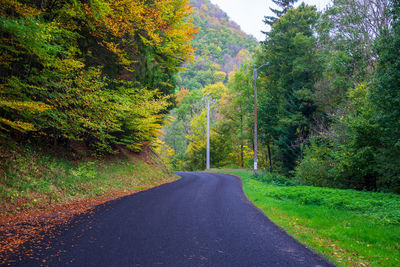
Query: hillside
[(82, 89), (41, 189), (220, 45)]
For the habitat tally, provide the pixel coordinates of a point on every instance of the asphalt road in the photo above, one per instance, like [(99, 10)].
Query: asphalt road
[(199, 220)]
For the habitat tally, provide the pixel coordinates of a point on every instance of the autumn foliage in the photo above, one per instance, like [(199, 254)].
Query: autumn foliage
[(98, 72)]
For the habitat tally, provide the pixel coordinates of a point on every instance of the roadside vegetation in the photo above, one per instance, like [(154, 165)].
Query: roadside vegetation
[(41, 189), (350, 228), (97, 75), (85, 87), (99, 72), (31, 178)]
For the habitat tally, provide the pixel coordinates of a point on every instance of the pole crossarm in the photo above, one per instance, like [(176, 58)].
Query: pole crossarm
[(256, 68), (266, 64)]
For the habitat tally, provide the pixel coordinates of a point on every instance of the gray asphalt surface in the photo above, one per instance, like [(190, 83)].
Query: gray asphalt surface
[(200, 220)]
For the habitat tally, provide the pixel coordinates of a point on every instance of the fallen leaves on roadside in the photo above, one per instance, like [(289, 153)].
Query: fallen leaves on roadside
[(34, 225)]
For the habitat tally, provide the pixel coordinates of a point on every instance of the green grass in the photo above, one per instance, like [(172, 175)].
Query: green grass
[(351, 228), (30, 178)]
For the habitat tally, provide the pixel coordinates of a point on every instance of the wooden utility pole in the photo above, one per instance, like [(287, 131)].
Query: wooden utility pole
[(208, 134), (255, 111), (255, 119)]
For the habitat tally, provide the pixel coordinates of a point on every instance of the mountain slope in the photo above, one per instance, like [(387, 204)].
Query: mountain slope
[(220, 46)]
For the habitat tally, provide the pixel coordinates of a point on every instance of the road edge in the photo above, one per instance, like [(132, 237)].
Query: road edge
[(322, 257)]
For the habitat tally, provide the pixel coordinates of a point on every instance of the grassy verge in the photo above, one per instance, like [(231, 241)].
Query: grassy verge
[(40, 190), (31, 179), (350, 228)]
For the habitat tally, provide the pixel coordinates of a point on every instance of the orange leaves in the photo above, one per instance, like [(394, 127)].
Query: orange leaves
[(183, 92), (178, 29), (98, 64), (163, 25)]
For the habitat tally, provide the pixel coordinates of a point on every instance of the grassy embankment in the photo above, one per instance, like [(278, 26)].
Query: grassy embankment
[(39, 190), (350, 228)]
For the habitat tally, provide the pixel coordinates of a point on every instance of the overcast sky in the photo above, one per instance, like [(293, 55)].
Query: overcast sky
[(249, 14)]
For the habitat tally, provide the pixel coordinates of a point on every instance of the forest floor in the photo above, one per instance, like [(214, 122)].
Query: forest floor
[(350, 228), (39, 191)]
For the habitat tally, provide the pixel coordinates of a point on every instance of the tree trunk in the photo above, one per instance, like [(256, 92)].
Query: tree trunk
[(241, 155), (269, 157)]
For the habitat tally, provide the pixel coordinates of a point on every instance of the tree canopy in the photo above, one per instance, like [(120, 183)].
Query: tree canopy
[(98, 72), (328, 101)]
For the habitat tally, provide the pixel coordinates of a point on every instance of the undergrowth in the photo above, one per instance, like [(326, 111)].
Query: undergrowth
[(382, 208), (31, 178)]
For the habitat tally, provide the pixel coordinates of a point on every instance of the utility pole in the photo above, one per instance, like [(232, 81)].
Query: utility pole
[(255, 69), (208, 134), (255, 119)]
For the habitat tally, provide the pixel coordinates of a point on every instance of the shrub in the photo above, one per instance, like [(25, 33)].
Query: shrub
[(275, 179), (315, 166)]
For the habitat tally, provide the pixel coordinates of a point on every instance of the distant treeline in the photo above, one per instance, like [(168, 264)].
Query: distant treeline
[(329, 100)]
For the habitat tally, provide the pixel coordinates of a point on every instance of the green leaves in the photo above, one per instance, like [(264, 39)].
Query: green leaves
[(294, 67), (97, 72), (219, 44)]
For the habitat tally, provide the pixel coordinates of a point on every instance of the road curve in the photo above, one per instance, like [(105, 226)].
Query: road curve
[(200, 220)]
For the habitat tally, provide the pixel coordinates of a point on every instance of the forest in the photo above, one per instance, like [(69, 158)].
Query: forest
[(98, 74), (103, 99), (109, 74), (328, 100)]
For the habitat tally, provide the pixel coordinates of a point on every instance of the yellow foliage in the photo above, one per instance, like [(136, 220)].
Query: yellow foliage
[(215, 67), (244, 55), (24, 105), (219, 76), (17, 7), (197, 133), (68, 65), (165, 152), (46, 86), (162, 25), (18, 125), (216, 90), (248, 154)]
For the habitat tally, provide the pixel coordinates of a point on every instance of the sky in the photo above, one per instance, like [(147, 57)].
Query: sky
[(249, 14)]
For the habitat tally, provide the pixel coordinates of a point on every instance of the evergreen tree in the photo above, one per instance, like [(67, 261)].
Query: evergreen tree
[(293, 69), (285, 5)]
